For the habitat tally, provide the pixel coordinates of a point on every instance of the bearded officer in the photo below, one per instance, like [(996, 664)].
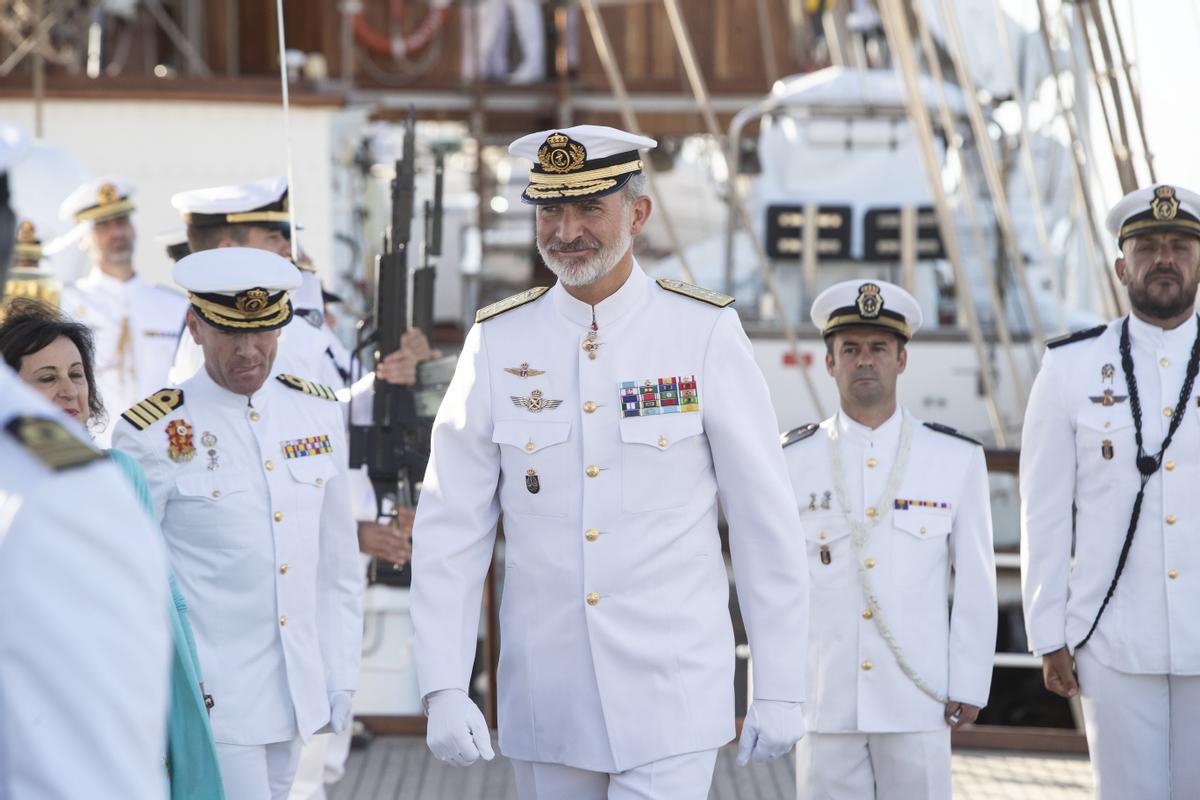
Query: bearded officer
[(1110, 458), (83, 668), (248, 476), (890, 506), (136, 324), (602, 417)]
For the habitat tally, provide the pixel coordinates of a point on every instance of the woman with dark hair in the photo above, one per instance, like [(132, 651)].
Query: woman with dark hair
[(53, 354)]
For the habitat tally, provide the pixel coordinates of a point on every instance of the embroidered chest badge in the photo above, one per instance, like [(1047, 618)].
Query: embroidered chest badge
[(308, 446), (536, 402), (180, 447), (674, 395)]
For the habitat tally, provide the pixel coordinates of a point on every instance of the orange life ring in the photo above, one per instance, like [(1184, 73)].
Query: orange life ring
[(399, 47)]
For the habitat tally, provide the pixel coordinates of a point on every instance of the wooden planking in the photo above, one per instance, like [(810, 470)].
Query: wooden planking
[(400, 768)]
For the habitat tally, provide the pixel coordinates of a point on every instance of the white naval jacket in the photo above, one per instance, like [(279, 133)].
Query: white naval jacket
[(616, 642), (1078, 460), (85, 642), (940, 520), (136, 326), (264, 549)]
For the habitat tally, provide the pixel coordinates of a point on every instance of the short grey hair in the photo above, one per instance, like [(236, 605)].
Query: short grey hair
[(634, 188)]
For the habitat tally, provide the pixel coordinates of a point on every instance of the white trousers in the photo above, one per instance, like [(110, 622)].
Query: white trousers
[(322, 762), (258, 772), (682, 777), (1143, 731), (885, 766)]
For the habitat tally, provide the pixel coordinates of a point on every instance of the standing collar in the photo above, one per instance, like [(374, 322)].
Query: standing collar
[(608, 310), (886, 434), (102, 280), (1180, 338), (202, 387)]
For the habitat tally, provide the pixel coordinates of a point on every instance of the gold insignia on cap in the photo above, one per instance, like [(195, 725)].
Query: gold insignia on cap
[(870, 301), (252, 301), (560, 153), (107, 195), (26, 233), (1164, 205)]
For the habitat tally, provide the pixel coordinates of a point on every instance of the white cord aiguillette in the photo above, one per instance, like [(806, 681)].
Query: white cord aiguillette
[(860, 533)]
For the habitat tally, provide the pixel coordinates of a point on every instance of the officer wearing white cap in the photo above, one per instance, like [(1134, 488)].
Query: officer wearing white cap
[(1110, 518), (248, 476), (136, 324), (889, 506), (84, 636), (255, 214), (602, 417)]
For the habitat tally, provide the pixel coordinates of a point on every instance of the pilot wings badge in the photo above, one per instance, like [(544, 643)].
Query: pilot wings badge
[(536, 402)]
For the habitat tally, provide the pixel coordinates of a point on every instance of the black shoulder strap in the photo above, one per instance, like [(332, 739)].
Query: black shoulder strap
[(798, 434), (1077, 336), (946, 429)]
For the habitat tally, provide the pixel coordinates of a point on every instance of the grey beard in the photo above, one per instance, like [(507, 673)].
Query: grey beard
[(592, 269)]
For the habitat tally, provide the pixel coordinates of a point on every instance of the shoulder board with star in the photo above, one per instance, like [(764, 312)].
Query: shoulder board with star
[(308, 387), (145, 413), (509, 303), (946, 429), (695, 292), (798, 434), (1077, 336), (51, 443)]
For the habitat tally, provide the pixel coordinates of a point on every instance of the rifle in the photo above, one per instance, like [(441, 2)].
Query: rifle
[(395, 446)]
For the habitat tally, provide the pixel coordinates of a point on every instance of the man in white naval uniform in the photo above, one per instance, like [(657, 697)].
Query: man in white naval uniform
[(1110, 461), (248, 477), (136, 324), (890, 506), (84, 635), (604, 417)]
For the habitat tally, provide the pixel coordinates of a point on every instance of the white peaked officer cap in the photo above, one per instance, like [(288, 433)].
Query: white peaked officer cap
[(99, 200), (239, 289), (1155, 209), (579, 163), (864, 303), (263, 203)]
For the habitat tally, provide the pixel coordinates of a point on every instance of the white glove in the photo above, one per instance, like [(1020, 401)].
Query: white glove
[(457, 732), (341, 710), (771, 729)]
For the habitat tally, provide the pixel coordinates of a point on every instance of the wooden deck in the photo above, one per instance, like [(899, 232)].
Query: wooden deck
[(400, 768)]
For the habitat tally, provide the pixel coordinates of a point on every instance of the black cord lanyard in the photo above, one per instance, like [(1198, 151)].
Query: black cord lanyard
[(1147, 464)]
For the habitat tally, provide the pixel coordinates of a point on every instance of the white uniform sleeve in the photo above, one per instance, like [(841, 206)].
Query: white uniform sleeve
[(973, 616), (765, 537), (339, 574), (137, 445), (455, 528), (84, 642), (1047, 493)]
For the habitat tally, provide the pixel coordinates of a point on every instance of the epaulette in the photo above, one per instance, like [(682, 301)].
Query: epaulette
[(509, 303), (946, 429), (798, 434), (149, 411), (52, 444), (308, 387), (695, 292), (1077, 336)]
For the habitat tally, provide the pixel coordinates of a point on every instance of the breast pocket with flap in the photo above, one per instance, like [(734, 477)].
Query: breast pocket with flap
[(206, 507), (535, 461), (664, 460)]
